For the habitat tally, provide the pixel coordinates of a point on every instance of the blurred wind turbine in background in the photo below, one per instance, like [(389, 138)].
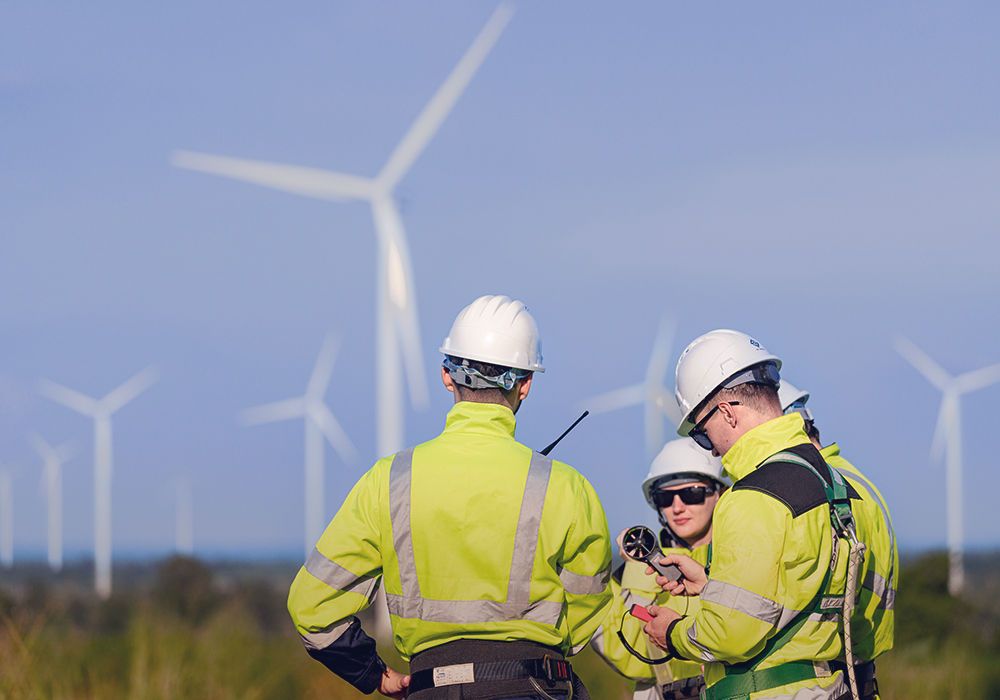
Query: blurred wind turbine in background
[(6, 520), (184, 522), (319, 422), (397, 327), (651, 393), (948, 438), (53, 459), (100, 411)]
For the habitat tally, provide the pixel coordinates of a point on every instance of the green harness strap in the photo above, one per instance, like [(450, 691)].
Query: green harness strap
[(743, 678)]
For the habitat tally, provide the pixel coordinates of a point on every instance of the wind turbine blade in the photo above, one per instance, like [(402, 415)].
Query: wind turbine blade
[(977, 379), (659, 359), (940, 432), (613, 400), (330, 426), (323, 370), (130, 389), (272, 412), (308, 182), (666, 402), (430, 119), (68, 398), (922, 363)]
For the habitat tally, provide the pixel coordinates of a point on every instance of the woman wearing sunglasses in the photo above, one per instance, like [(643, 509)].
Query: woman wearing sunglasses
[(683, 485)]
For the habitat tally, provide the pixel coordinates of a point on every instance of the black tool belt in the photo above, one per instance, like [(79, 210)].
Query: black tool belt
[(684, 688), (469, 669), (864, 675)]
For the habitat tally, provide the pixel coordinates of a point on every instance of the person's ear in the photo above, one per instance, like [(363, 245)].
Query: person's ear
[(728, 413), (524, 386), (449, 383)]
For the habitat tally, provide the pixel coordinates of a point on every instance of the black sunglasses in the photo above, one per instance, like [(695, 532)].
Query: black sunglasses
[(692, 496), (698, 433)]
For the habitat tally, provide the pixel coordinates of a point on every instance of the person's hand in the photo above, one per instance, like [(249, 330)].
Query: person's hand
[(694, 578), (657, 627), (393, 684), (621, 549)]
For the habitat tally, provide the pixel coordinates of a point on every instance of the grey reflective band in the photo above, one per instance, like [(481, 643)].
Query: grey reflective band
[(735, 598), (692, 634), (326, 637), (889, 602), (412, 605), (469, 612), (875, 584), (631, 598), (399, 513), (336, 576), (528, 524), (576, 584)]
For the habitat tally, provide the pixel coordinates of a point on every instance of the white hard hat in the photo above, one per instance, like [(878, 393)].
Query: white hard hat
[(496, 330), (793, 399), (788, 394), (709, 363), (680, 461)]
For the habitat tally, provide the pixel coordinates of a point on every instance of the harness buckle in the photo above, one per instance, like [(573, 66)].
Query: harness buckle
[(555, 669)]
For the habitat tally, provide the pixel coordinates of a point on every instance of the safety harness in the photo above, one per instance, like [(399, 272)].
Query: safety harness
[(745, 678)]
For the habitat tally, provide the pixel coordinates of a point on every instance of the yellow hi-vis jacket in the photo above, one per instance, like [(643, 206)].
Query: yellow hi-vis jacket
[(637, 587), (772, 547), (477, 537), (873, 622)]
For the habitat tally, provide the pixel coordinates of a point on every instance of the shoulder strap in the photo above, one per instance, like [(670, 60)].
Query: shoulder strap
[(841, 520)]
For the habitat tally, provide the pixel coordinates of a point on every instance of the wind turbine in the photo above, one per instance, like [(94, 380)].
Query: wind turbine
[(6, 520), (319, 422), (101, 410), (657, 399), (397, 329), (184, 520), (948, 437), (53, 459)]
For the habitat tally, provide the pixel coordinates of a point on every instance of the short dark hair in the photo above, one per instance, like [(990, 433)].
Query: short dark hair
[(762, 398), (484, 368)]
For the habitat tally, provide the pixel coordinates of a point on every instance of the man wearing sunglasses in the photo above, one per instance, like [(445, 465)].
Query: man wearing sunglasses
[(873, 624), (683, 485), (768, 625)]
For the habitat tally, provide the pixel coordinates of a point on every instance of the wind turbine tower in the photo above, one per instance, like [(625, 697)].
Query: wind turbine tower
[(397, 341), (657, 400), (53, 459), (101, 410), (6, 520), (948, 435), (319, 423), (184, 520)]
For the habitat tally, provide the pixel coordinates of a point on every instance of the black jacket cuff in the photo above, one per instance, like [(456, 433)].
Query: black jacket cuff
[(354, 658)]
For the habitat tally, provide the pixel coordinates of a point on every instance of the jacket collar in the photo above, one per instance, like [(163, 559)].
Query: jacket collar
[(482, 419), (830, 451), (762, 442)]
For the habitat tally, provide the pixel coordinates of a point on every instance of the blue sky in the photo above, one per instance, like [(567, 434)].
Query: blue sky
[(820, 176)]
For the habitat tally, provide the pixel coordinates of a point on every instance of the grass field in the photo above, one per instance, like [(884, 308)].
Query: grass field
[(182, 630)]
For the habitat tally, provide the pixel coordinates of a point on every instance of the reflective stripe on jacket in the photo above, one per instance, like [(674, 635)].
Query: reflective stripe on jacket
[(769, 560), (477, 537), (638, 587), (873, 622)]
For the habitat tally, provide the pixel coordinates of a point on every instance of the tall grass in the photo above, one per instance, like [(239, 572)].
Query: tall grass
[(184, 638), (172, 642)]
